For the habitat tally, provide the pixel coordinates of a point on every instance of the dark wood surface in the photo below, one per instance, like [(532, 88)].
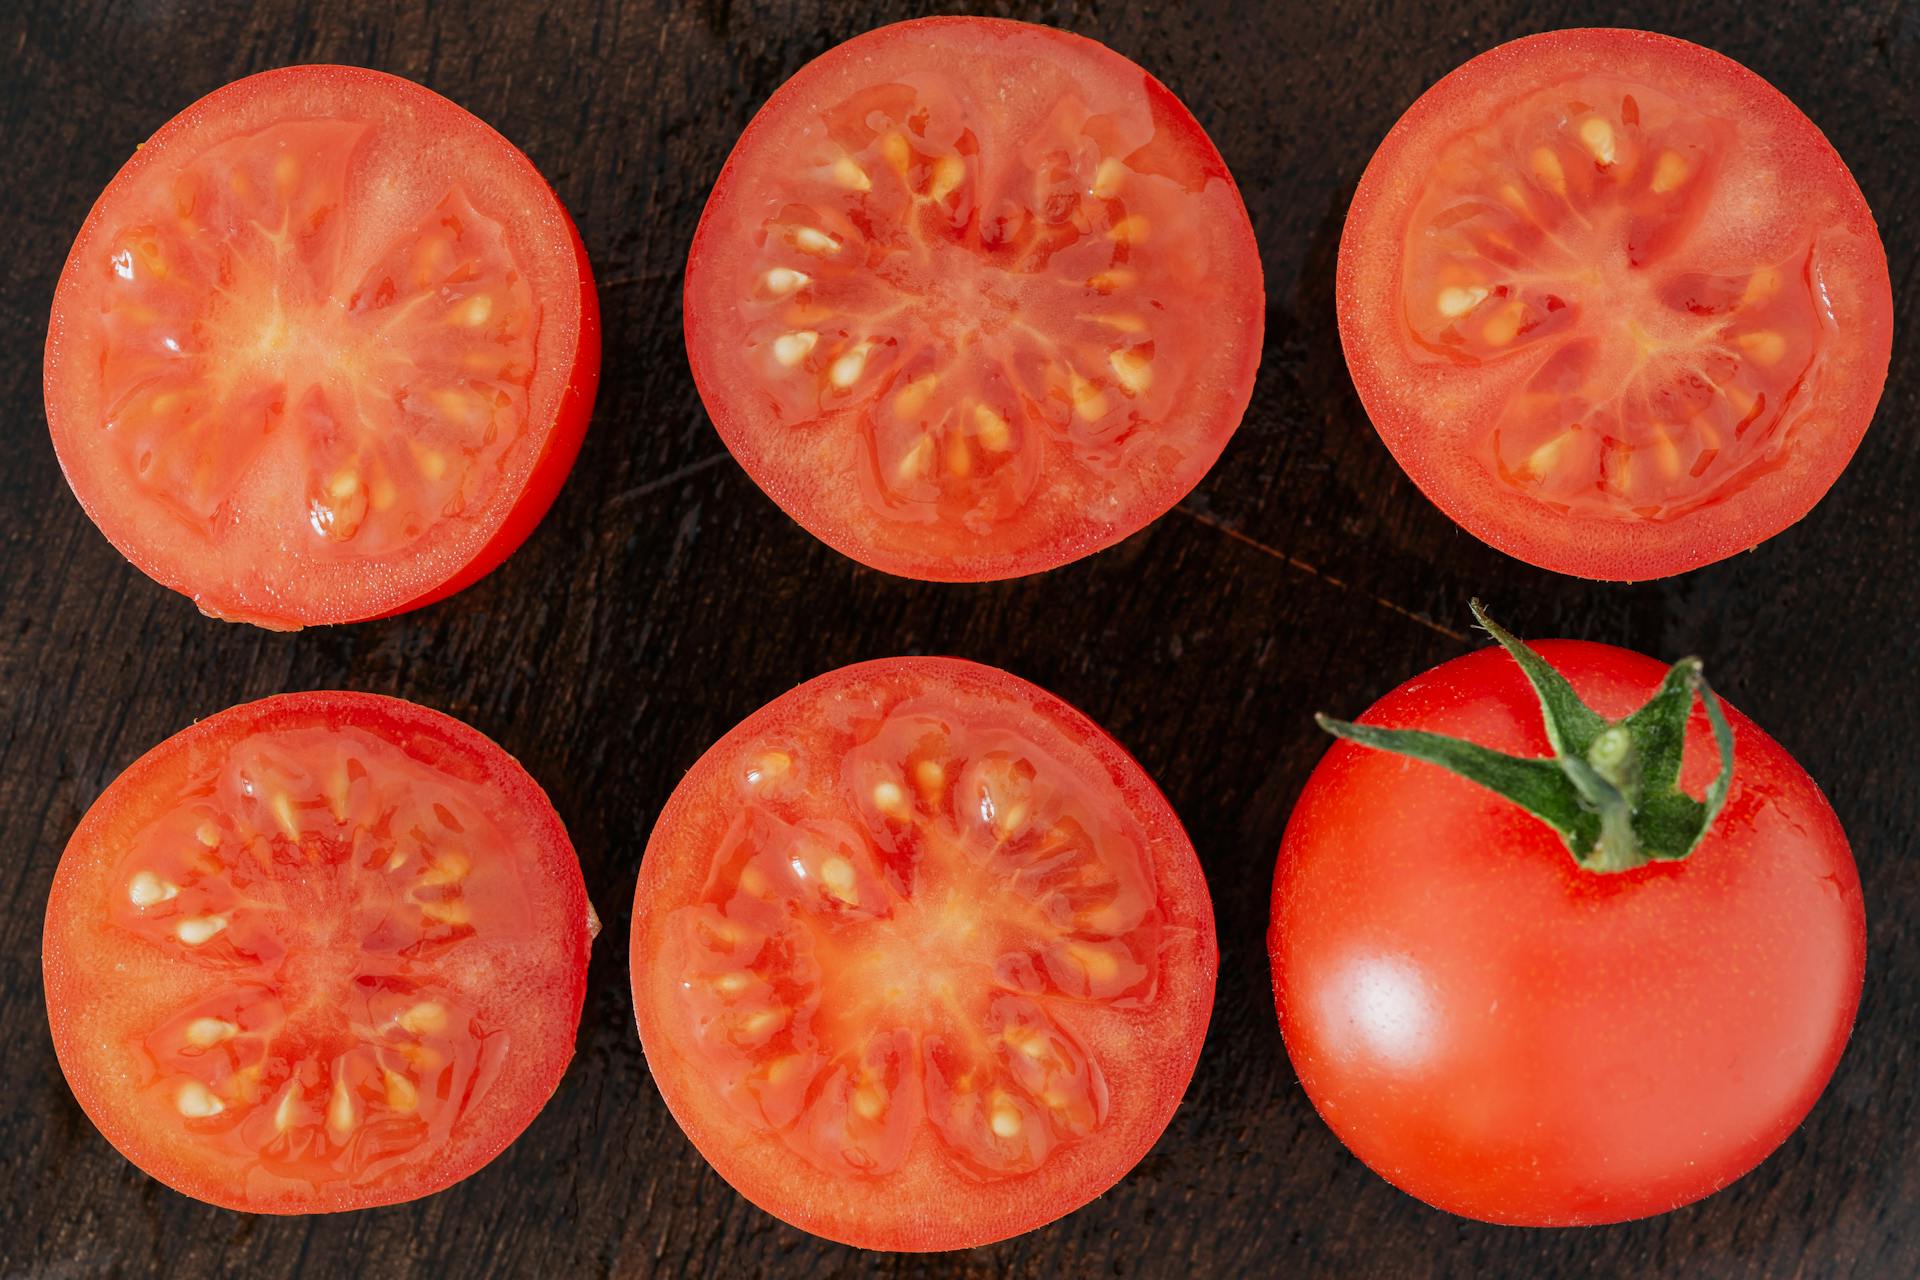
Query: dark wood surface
[(665, 597)]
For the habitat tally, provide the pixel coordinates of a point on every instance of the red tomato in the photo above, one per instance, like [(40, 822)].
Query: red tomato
[(1515, 1039), (973, 298), (318, 952), (1614, 303), (921, 957), (323, 351)]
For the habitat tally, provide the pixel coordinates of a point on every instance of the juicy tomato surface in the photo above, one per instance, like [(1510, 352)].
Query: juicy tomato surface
[(974, 298), (1614, 303), (324, 350), (1515, 1039), (921, 958), (319, 952)]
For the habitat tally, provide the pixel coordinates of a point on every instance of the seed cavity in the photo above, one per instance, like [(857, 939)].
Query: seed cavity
[(195, 930), (196, 1102), (147, 889)]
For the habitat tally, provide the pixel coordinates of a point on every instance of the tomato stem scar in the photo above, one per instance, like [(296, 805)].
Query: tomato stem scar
[(1611, 788)]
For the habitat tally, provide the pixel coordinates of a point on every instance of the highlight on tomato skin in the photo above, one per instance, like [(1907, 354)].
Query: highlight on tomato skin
[(1614, 303), (324, 350), (921, 958), (320, 952), (1513, 1037), (973, 298)]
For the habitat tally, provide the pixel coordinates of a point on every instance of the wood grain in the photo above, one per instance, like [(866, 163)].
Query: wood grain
[(664, 598)]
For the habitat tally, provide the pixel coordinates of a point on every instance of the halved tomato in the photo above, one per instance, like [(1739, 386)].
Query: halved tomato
[(1614, 303), (322, 951), (921, 958), (973, 298), (323, 351)]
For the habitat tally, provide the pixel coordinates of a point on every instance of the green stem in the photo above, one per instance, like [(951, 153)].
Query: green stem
[(1611, 787)]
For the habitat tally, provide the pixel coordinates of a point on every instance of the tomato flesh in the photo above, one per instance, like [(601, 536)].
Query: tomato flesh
[(973, 298), (1614, 303), (307, 362), (1512, 1038), (919, 932), (318, 952)]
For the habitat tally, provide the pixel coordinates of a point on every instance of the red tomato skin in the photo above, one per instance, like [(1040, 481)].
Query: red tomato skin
[(444, 733), (572, 413), (1390, 385), (1513, 1039)]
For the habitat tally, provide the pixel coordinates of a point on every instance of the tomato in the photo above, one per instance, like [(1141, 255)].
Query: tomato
[(973, 298), (318, 952), (1614, 303), (1515, 1038), (921, 958), (324, 350)]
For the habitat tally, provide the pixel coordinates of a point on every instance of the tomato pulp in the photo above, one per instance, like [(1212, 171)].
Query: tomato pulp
[(974, 298), (324, 350), (318, 952), (921, 958), (1614, 303), (1512, 1038)]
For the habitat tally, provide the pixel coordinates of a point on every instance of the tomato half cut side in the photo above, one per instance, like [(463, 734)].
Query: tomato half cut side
[(1614, 303), (921, 958), (319, 952), (973, 298), (324, 350)]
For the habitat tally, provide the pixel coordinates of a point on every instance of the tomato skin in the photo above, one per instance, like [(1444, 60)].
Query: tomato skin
[(1426, 421), (385, 586), (76, 951), (908, 1209), (1513, 1039)]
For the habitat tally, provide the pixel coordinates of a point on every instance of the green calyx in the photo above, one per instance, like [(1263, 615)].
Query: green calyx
[(1611, 788)]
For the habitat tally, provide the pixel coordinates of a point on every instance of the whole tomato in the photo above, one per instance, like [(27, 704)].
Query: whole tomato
[(1515, 1034)]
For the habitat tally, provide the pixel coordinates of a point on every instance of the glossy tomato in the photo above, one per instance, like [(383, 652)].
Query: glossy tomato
[(318, 952), (921, 957), (323, 351), (1514, 1038), (974, 298), (1614, 303)]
